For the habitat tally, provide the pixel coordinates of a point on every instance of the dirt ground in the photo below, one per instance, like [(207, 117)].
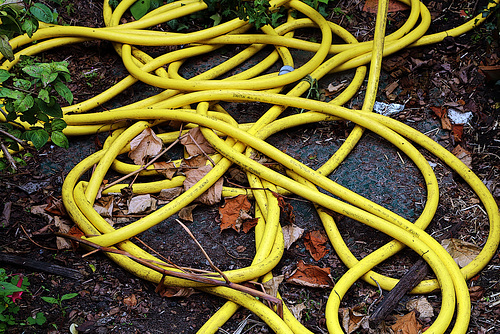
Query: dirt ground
[(111, 300)]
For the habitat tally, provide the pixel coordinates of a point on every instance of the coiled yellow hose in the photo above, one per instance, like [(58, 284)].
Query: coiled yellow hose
[(242, 140)]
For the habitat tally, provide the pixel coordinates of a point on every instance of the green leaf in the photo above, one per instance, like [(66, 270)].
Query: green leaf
[(4, 75), (64, 91), (50, 300), (60, 140), (216, 18), (43, 95), (52, 108), (6, 48), (36, 70), (140, 8), (59, 66), (7, 288), (3, 165), (30, 26), (42, 12), (39, 137), (24, 104), (58, 124), (22, 83), (155, 4), (10, 93), (69, 296)]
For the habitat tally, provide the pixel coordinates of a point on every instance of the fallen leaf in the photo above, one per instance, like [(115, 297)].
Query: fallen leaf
[(55, 207), (195, 143), (170, 193), (248, 224), (464, 155), (311, 276), (186, 213), (394, 6), (286, 209), (130, 301), (194, 161), (476, 292), (332, 89), (175, 291), (234, 212), (297, 310), (241, 249), (391, 87), (140, 204), (63, 225), (439, 111), (407, 324), (291, 233), (352, 319), (457, 130), (271, 286), (39, 210), (422, 306), (166, 169), (104, 206), (144, 145), (462, 252), (315, 242), (210, 197)]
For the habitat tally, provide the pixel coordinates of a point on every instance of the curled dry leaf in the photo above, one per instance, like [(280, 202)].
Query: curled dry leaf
[(291, 233), (271, 286), (195, 143), (140, 204), (422, 306), (166, 169), (311, 276), (235, 212), (104, 206), (352, 319), (170, 193), (186, 213), (464, 155), (210, 197), (63, 225), (297, 310), (407, 324), (194, 161), (130, 301), (175, 291), (144, 145), (315, 242), (462, 252)]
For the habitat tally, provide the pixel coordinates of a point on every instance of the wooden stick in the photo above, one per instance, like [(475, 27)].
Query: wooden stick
[(40, 266)]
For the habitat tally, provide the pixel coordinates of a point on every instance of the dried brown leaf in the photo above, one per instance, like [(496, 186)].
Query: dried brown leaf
[(63, 226), (166, 169), (422, 306), (210, 197), (170, 193), (315, 242), (195, 143), (130, 301), (271, 286), (407, 324), (311, 276), (291, 233), (140, 204), (104, 206), (194, 161), (462, 252), (175, 291), (352, 319), (186, 213), (464, 155), (234, 212), (144, 145)]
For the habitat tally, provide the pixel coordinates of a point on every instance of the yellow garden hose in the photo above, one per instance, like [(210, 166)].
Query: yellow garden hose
[(195, 103)]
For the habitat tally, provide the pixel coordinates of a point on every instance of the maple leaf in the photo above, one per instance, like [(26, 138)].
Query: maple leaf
[(210, 197), (312, 276), (195, 143), (315, 243), (235, 212), (144, 145), (407, 324)]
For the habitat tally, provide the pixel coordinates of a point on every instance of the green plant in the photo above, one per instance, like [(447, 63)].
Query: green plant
[(20, 17), (30, 96), (58, 301), (11, 289)]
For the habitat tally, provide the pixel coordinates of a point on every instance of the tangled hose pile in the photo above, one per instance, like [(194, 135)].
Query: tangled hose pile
[(235, 144)]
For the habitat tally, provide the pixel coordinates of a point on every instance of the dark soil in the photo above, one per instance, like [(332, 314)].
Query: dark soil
[(111, 300)]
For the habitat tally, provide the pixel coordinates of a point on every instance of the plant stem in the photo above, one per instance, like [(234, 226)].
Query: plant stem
[(8, 156)]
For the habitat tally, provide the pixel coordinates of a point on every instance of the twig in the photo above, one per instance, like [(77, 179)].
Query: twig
[(143, 167), (203, 251), (188, 276), (199, 147), (8, 156), (33, 241), (19, 141)]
